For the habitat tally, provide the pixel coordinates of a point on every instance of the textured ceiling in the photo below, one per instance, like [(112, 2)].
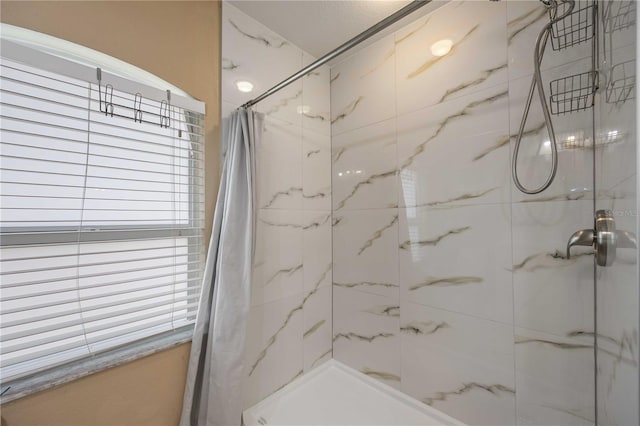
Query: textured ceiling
[(319, 26)]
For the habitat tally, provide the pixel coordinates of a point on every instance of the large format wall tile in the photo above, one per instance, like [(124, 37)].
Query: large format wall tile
[(363, 87), (458, 364), (316, 98), (616, 135), (316, 170), (554, 378), (617, 191), (617, 319), (278, 264), (456, 152), (366, 333), (317, 259), (525, 20), (476, 61), (365, 251), (574, 138), (457, 259), (251, 51), (364, 168), (552, 294), (317, 332), (284, 105), (290, 328), (274, 354), (279, 165)]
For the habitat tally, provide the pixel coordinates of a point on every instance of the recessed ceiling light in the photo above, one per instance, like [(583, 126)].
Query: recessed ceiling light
[(244, 86), (441, 47)]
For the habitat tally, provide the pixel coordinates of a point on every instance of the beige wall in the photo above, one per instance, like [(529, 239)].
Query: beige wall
[(178, 41), (147, 391)]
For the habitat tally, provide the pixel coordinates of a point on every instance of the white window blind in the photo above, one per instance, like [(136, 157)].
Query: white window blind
[(101, 215)]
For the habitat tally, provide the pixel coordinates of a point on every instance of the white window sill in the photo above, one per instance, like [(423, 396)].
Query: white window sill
[(66, 373)]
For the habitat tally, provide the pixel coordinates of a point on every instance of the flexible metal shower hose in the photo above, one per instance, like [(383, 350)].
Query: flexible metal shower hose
[(536, 82)]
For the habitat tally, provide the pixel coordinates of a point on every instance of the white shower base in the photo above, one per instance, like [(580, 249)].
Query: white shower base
[(334, 394)]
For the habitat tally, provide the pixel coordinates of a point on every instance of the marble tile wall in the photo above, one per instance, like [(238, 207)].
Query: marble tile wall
[(450, 284), (616, 184), (290, 325)]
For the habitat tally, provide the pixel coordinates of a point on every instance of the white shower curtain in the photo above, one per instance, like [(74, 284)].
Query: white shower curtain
[(213, 392)]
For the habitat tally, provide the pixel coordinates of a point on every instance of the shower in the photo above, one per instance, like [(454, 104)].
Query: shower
[(536, 82)]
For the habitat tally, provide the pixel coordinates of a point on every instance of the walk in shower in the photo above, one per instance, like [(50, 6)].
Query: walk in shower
[(392, 238)]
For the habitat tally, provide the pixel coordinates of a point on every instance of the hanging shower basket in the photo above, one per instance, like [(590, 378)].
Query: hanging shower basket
[(574, 29), (622, 83), (573, 93), (619, 15)]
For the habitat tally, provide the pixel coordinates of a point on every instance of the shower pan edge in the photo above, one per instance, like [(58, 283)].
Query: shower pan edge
[(335, 394)]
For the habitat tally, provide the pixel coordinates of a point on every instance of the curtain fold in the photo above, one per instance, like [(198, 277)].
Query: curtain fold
[(213, 391)]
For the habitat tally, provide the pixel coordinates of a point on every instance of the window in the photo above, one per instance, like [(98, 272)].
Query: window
[(101, 209)]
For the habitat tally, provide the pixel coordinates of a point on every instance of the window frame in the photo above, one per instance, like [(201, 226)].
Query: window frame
[(59, 235)]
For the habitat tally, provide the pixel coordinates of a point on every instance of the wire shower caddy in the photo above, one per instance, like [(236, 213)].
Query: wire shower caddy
[(575, 92)]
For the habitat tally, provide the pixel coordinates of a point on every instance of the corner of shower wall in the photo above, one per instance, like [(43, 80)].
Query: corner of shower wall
[(290, 324)]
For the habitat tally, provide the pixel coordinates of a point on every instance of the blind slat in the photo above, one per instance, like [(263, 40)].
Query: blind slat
[(102, 219)]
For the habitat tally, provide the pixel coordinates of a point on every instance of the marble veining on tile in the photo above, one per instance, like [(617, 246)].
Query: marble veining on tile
[(423, 327), (315, 151), (322, 356), (283, 103), (385, 58), (318, 222), (350, 108), (361, 337), (548, 260), (494, 389), (384, 310), (414, 31), (559, 345), (572, 196), (284, 271), (502, 141), (313, 328), (368, 181), (272, 340), (446, 281), (377, 235), (318, 117), (484, 76), (229, 65), (463, 197), (433, 241), (298, 374), (259, 38), (466, 110), (427, 65), (520, 23), (383, 375), (365, 284), (284, 193)]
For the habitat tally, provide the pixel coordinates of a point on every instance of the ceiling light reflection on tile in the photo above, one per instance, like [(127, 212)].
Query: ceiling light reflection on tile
[(303, 109), (441, 47), (244, 86)]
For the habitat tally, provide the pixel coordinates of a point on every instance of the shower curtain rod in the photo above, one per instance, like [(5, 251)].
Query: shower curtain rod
[(391, 19)]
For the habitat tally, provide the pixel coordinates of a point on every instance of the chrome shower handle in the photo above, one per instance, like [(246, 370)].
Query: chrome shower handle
[(583, 237), (626, 239), (605, 237)]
